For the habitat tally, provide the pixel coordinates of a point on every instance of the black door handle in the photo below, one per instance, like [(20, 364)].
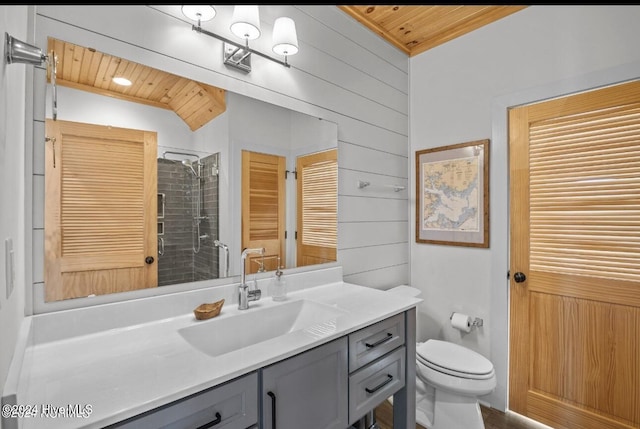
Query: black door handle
[(519, 277), (149, 260)]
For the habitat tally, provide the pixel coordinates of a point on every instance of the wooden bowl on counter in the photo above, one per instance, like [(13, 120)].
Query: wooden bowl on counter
[(208, 310)]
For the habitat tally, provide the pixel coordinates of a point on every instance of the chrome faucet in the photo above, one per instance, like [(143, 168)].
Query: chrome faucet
[(244, 294)]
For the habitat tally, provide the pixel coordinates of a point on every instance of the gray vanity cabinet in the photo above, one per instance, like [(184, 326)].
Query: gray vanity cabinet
[(331, 386), (309, 390), (233, 405), (377, 365)]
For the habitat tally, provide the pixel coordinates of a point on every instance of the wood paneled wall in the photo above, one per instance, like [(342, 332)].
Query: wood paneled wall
[(343, 73)]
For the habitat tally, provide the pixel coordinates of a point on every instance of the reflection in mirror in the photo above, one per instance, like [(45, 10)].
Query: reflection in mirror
[(188, 221), (264, 178), (317, 204), (146, 193), (272, 186)]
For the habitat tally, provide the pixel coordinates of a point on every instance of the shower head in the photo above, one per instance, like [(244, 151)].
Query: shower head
[(188, 163)]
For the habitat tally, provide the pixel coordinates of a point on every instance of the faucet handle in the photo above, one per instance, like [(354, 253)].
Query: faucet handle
[(254, 295)]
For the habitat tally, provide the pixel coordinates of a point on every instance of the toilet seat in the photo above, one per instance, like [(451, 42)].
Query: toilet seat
[(455, 360)]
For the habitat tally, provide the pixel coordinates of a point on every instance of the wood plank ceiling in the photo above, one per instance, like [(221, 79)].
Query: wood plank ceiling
[(89, 70), (415, 29)]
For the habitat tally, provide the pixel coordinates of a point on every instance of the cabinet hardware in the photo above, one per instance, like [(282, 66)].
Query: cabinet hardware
[(273, 409), (377, 343), (212, 423), (381, 385)]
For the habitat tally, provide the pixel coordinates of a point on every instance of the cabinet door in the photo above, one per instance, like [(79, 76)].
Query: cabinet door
[(308, 391)]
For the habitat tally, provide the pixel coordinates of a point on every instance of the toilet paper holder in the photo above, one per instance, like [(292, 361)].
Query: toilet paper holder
[(474, 324)]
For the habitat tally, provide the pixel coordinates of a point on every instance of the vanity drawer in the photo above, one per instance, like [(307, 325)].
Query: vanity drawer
[(372, 384), (368, 344), (234, 405)]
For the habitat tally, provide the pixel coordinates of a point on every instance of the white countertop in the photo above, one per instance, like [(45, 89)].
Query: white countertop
[(128, 370)]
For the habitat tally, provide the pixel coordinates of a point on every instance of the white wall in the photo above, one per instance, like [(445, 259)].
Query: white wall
[(13, 132), (343, 73), (459, 92)]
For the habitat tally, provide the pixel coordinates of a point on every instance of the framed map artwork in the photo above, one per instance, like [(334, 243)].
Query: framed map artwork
[(452, 194)]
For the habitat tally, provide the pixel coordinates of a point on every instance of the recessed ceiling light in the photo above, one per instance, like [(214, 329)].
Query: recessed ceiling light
[(121, 81)]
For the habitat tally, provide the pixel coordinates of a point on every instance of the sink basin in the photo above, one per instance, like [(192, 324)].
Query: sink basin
[(247, 327)]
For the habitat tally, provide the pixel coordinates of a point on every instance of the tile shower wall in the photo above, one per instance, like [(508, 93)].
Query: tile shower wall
[(179, 262)]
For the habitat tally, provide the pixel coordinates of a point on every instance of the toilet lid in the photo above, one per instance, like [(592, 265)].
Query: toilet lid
[(454, 359)]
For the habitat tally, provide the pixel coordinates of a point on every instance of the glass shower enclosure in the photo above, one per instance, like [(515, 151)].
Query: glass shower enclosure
[(188, 230)]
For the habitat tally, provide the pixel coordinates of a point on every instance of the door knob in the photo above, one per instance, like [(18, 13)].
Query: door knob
[(519, 277), (149, 260)]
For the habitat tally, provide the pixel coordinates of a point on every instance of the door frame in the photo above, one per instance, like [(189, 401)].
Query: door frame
[(499, 201)]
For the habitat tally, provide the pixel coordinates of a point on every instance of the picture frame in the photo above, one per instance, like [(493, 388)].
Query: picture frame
[(452, 194)]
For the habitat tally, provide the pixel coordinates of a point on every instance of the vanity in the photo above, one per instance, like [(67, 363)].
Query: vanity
[(323, 359)]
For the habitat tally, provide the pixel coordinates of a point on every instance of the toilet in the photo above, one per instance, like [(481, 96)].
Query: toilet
[(449, 379)]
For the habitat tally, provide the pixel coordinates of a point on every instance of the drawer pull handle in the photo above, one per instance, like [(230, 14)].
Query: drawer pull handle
[(212, 423), (377, 343), (273, 409), (381, 385)]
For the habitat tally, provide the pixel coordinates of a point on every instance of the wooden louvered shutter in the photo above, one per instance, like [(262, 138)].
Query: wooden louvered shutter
[(263, 209), (317, 208), (584, 193), (100, 215)]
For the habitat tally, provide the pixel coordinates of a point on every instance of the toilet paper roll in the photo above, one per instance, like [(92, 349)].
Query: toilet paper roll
[(461, 321)]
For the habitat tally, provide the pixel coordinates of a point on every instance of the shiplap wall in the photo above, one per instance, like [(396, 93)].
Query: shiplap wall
[(13, 216), (343, 73)]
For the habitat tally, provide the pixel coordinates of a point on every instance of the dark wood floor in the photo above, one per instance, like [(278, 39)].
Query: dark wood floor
[(493, 419)]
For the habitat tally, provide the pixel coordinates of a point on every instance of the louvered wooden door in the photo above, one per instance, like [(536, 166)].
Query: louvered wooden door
[(263, 209), (317, 208), (575, 259), (100, 210)]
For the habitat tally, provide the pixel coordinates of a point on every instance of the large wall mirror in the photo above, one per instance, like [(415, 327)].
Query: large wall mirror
[(166, 180)]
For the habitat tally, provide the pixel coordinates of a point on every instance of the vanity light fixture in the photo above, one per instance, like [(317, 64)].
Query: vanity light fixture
[(245, 24), (17, 51)]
